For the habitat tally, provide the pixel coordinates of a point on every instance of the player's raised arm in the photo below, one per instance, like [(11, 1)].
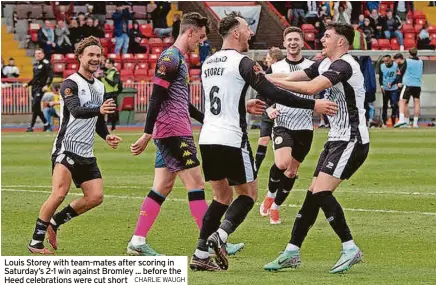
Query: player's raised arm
[(69, 92), (253, 75), (196, 114)]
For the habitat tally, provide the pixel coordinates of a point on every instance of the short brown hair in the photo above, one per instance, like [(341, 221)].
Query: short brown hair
[(276, 53), (289, 30), (229, 22), (342, 29), (86, 42), (413, 52), (193, 19)]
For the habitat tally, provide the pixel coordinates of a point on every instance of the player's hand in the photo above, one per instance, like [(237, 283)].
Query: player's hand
[(108, 107), (44, 88), (113, 141), (256, 106), (383, 89), (389, 85), (325, 106), (139, 146), (272, 113)]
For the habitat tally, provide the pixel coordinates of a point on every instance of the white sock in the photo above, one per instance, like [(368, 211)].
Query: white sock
[(291, 247), (53, 222), (407, 120), (271, 195), (201, 254), (415, 121), (223, 235), (34, 242), (275, 206), (46, 124), (401, 118), (138, 240), (348, 245)]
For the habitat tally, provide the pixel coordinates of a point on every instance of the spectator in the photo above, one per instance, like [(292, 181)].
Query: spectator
[(370, 86), (176, 26), (342, 14), (74, 29), (82, 20), (63, 42), (389, 88), (90, 30), (98, 30), (135, 37), (424, 39), (113, 86), (121, 18), (402, 8), (98, 9), (298, 11), (368, 31), (323, 11), (373, 5), (61, 13), (392, 26), (159, 16), (312, 12), (204, 49), (376, 23), (101, 69), (10, 70), (49, 101), (3, 66), (46, 38), (320, 27), (359, 42)]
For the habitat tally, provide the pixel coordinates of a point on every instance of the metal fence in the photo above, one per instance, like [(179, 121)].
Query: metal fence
[(16, 99)]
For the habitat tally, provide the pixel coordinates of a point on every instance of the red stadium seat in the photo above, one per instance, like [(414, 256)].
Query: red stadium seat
[(153, 57), (409, 43), (408, 28), (153, 65), (58, 67), (374, 44), (150, 72), (70, 58), (382, 9), (142, 65), (143, 42), (73, 66), (168, 40), (141, 74), (156, 50), (129, 65), (104, 42), (108, 28), (155, 42), (141, 57), (309, 37), (384, 44), (308, 28), (432, 29), (418, 28), (57, 57), (410, 36), (194, 59), (409, 21), (117, 65), (115, 57), (394, 44), (128, 57), (418, 15), (146, 30), (126, 72), (68, 72), (195, 73), (420, 22)]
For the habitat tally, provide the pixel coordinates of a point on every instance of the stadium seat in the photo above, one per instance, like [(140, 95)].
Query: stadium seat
[(57, 57), (150, 72), (141, 57), (153, 57), (70, 58), (58, 67), (129, 65), (155, 42), (420, 22), (73, 66), (143, 42), (408, 28), (141, 74), (306, 28), (108, 28), (194, 59), (168, 41), (128, 57), (126, 72), (152, 65), (411, 36), (309, 37), (418, 28), (195, 73), (128, 104), (394, 44), (409, 43), (68, 72), (156, 50), (432, 29), (115, 57), (384, 44), (382, 9), (418, 15), (142, 65), (104, 42), (374, 44), (146, 30), (409, 21), (117, 65)]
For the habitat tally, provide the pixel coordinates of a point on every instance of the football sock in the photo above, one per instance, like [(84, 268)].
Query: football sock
[(291, 247), (305, 219), (348, 245), (415, 121), (236, 213), (149, 212), (63, 216), (402, 120), (334, 214), (275, 178), (197, 205), (39, 234), (260, 155), (283, 192)]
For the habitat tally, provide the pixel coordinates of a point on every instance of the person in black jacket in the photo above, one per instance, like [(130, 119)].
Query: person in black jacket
[(135, 37), (42, 78)]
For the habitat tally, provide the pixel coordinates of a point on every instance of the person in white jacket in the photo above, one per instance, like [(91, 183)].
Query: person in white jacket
[(342, 14), (11, 70)]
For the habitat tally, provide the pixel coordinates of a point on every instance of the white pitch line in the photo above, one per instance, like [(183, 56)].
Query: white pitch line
[(354, 191), (285, 205)]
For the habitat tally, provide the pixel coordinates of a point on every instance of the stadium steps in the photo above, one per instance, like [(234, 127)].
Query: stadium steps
[(430, 12), (10, 48), (270, 29)]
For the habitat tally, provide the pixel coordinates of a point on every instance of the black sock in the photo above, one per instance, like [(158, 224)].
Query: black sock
[(39, 233), (283, 192), (63, 216), (275, 179), (211, 222), (334, 214), (236, 213), (305, 219), (260, 155)]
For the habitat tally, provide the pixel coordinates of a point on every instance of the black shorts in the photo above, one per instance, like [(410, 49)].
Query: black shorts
[(235, 164), (410, 91), (299, 140), (341, 159), (176, 153), (266, 128), (82, 169)]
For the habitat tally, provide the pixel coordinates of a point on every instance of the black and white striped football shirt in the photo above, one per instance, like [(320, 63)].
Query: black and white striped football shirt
[(293, 118), (348, 92), (80, 103)]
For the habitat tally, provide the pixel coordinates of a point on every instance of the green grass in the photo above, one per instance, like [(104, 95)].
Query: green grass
[(398, 175)]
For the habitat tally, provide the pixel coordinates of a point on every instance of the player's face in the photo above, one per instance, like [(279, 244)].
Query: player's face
[(196, 35), (268, 60), (90, 58), (329, 42), (387, 60), (39, 55), (293, 43), (245, 34)]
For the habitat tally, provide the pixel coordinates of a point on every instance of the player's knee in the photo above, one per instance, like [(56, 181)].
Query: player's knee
[(95, 199), (282, 164), (290, 173), (224, 198)]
